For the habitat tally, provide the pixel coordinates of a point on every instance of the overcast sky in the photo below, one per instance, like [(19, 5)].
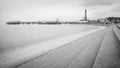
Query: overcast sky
[(34, 10)]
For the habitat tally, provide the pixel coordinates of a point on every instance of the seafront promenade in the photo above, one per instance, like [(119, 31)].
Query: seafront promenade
[(98, 48)]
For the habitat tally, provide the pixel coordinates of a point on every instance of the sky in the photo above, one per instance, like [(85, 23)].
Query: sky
[(65, 10)]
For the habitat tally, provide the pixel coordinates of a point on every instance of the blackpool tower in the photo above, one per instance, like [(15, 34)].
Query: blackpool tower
[(85, 15)]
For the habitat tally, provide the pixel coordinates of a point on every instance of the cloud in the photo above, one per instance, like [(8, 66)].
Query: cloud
[(99, 2)]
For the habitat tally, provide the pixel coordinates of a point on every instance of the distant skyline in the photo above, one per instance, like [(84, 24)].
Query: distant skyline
[(65, 10)]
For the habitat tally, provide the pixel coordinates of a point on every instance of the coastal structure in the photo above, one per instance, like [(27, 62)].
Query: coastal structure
[(85, 15), (84, 20), (109, 20)]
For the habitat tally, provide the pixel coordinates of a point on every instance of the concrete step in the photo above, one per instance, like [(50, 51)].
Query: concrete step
[(87, 57), (118, 26), (109, 53), (117, 31)]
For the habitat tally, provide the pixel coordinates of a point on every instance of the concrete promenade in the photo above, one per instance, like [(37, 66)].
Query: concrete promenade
[(19, 56), (97, 50)]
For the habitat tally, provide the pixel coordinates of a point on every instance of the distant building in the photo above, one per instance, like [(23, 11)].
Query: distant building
[(114, 19), (109, 20), (57, 20), (13, 23)]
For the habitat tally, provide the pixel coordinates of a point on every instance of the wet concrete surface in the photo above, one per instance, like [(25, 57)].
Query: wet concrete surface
[(97, 50), (100, 49)]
